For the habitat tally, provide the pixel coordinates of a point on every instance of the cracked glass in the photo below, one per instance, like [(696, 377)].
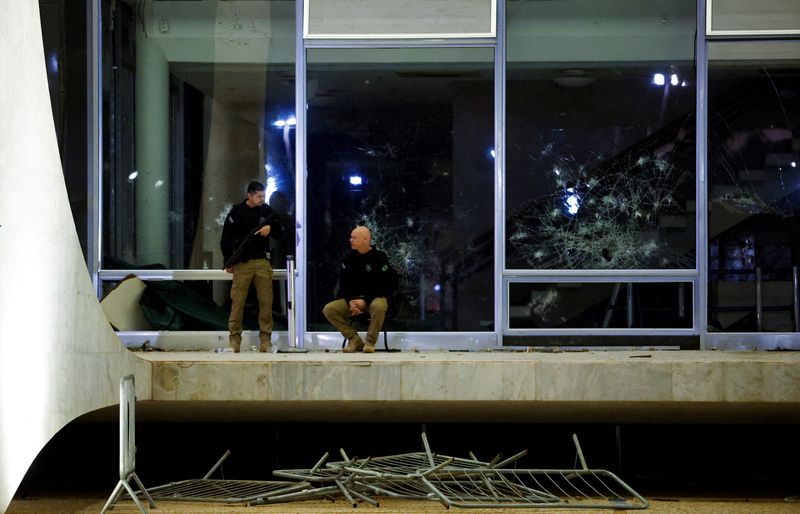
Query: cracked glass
[(401, 141), (754, 186), (600, 135)]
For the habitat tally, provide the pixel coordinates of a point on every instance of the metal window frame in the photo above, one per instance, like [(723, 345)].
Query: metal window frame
[(695, 276), (502, 276), (111, 275), (607, 277), (500, 287), (312, 338), (701, 179), (730, 341), (300, 176), (94, 143)]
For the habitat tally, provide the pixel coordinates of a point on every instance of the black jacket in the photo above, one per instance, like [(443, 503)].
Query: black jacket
[(367, 276), (242, 221)]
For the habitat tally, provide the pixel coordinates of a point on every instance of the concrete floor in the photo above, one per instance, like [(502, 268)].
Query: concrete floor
[(675, 505)]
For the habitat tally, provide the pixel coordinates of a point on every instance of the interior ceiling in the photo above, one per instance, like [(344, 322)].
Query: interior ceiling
[(252, 83), (249, 85)]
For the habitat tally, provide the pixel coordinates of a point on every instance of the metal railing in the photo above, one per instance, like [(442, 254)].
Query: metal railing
[(111, 275)]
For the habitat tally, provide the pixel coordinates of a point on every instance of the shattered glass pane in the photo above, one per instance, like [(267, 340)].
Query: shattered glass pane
[(614, 219), (600, 152), (400, 140), (754, 187)]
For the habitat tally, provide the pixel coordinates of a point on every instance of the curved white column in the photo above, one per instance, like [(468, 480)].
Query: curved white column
[(58, 356)]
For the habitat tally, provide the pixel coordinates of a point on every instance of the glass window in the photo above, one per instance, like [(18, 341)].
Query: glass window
[(600, 305), (401, 140), (64, 43), (747, 16), (754, 185), (192, 96), (600, 135), (399, 18)]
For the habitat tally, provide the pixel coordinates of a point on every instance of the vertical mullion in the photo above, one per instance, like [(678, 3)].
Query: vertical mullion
[(700, 320), (300, 176), (94, 145), (500, 320)]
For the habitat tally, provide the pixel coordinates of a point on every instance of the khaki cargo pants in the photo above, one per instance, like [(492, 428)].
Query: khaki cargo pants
[(259, 273), (337, 313)]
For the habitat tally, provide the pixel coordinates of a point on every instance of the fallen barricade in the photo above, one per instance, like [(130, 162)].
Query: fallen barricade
[(451, 481)]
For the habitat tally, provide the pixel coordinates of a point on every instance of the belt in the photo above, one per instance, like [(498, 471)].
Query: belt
[(266, 257)]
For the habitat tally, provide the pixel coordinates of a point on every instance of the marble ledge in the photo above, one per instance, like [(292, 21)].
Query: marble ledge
[(604, 378)]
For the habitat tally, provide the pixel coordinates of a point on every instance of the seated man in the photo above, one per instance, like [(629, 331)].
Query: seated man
[(365, 284)]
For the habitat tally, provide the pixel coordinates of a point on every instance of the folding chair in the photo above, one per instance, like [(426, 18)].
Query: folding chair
[(364, 319)]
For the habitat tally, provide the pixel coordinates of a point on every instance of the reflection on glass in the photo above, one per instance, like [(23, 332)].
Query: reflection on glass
[(399, 141), (189, 305), (746, 15), (64, 44), (600, 305), (192, 93), (600, 138), (754, 193), (393, 18)]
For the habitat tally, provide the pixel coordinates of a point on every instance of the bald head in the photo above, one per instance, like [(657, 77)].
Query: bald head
[(360, 239)]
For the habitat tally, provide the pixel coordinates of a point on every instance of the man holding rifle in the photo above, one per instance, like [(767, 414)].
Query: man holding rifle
[(245, 248)]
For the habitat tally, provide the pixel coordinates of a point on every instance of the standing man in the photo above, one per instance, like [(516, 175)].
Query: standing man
[(245, 248), (365, 283)]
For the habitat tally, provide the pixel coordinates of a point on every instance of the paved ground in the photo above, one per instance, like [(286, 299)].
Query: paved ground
[(66, 505)]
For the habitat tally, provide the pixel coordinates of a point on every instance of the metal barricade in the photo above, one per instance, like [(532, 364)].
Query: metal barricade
[(127, 448)]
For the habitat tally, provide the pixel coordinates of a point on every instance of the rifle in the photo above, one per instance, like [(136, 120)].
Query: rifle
[(236, 255)]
